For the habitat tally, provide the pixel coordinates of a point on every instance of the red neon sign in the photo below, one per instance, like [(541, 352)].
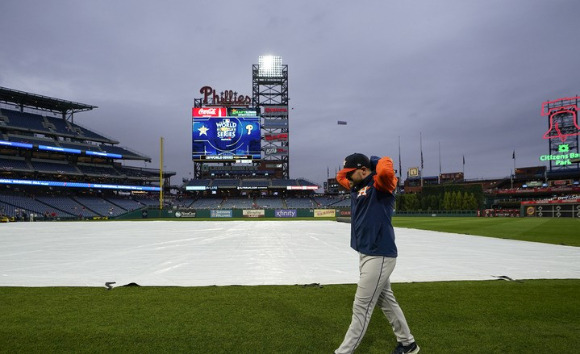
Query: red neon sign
[(558, 115)]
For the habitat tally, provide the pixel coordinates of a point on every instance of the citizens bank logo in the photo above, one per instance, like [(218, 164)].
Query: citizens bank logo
[(226, 129), (363, 191)]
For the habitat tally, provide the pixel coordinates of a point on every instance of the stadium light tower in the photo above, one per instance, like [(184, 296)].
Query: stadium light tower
[(270, 66), (270, 95)]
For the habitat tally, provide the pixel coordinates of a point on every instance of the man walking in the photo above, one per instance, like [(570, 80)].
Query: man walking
[(372, 183)]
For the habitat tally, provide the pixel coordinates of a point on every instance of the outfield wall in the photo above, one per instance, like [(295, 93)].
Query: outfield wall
[(185, 213), (564, 208), (343, 213)]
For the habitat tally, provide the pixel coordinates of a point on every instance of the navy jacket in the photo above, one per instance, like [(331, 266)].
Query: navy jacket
[(372, 204)]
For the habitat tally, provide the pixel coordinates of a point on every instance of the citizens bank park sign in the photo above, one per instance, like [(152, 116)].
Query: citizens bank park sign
[(563, 120)]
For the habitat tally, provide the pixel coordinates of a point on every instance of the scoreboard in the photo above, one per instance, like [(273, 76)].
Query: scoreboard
[(221, 136)]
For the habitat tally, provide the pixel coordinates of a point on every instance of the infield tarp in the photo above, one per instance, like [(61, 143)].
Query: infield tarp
[(200, 253)]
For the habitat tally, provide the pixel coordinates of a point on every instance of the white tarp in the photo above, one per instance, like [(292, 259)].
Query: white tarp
[(199, 253)]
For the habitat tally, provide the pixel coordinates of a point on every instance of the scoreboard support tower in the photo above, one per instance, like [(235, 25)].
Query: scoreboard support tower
[(270, 101), (270, 95)]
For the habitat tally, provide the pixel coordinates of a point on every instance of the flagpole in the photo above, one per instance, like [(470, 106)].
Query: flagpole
[(161, 173), (421, 148), (511, 180), (439, 177), (439, 158), (400, 168)]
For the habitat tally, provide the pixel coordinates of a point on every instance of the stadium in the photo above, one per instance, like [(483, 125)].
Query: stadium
[(54, 169), (242, 220)]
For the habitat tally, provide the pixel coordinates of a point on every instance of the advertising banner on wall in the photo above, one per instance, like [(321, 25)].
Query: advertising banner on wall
[(185, 213), (285, 213), (248, 213), (324, 213), (221, 213)]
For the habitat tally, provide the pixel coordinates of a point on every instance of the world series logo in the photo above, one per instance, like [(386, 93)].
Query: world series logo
[(226, 130)]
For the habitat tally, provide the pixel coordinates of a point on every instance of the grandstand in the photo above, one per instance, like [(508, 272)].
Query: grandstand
[(53, 168)]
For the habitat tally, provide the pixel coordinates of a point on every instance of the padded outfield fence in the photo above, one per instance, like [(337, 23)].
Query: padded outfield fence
[(288, 213), (182, 213)]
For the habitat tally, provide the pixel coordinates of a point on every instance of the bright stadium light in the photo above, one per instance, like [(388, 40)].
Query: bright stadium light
[(270, 66)]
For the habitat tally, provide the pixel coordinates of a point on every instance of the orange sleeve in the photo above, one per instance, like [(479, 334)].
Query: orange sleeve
[(341, 179), (385, 179)]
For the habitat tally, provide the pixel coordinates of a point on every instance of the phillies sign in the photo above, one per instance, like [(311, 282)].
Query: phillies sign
[(210, 112), (227, 97)]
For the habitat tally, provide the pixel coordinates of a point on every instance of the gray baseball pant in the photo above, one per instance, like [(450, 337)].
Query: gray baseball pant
[(374, 287)]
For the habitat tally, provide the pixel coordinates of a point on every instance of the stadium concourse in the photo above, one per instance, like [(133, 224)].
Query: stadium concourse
[(203, 253)]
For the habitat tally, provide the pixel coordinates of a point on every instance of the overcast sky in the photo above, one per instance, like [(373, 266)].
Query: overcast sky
[(469, 76)]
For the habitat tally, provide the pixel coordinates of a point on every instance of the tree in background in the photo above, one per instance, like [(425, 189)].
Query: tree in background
[(442, 197)]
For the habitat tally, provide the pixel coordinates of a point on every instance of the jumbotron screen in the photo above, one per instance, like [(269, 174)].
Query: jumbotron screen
[(226, 138)]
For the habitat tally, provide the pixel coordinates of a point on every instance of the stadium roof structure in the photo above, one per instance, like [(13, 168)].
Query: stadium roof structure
[(25, 99)]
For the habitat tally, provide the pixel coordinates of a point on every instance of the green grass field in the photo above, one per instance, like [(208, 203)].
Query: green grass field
[(561, 231), (536, 316), (529, 316)]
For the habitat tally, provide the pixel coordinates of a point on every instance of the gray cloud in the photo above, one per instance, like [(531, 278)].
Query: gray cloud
[(469, 76)]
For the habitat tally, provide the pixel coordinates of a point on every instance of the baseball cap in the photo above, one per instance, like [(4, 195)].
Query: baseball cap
[(355, 161)]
